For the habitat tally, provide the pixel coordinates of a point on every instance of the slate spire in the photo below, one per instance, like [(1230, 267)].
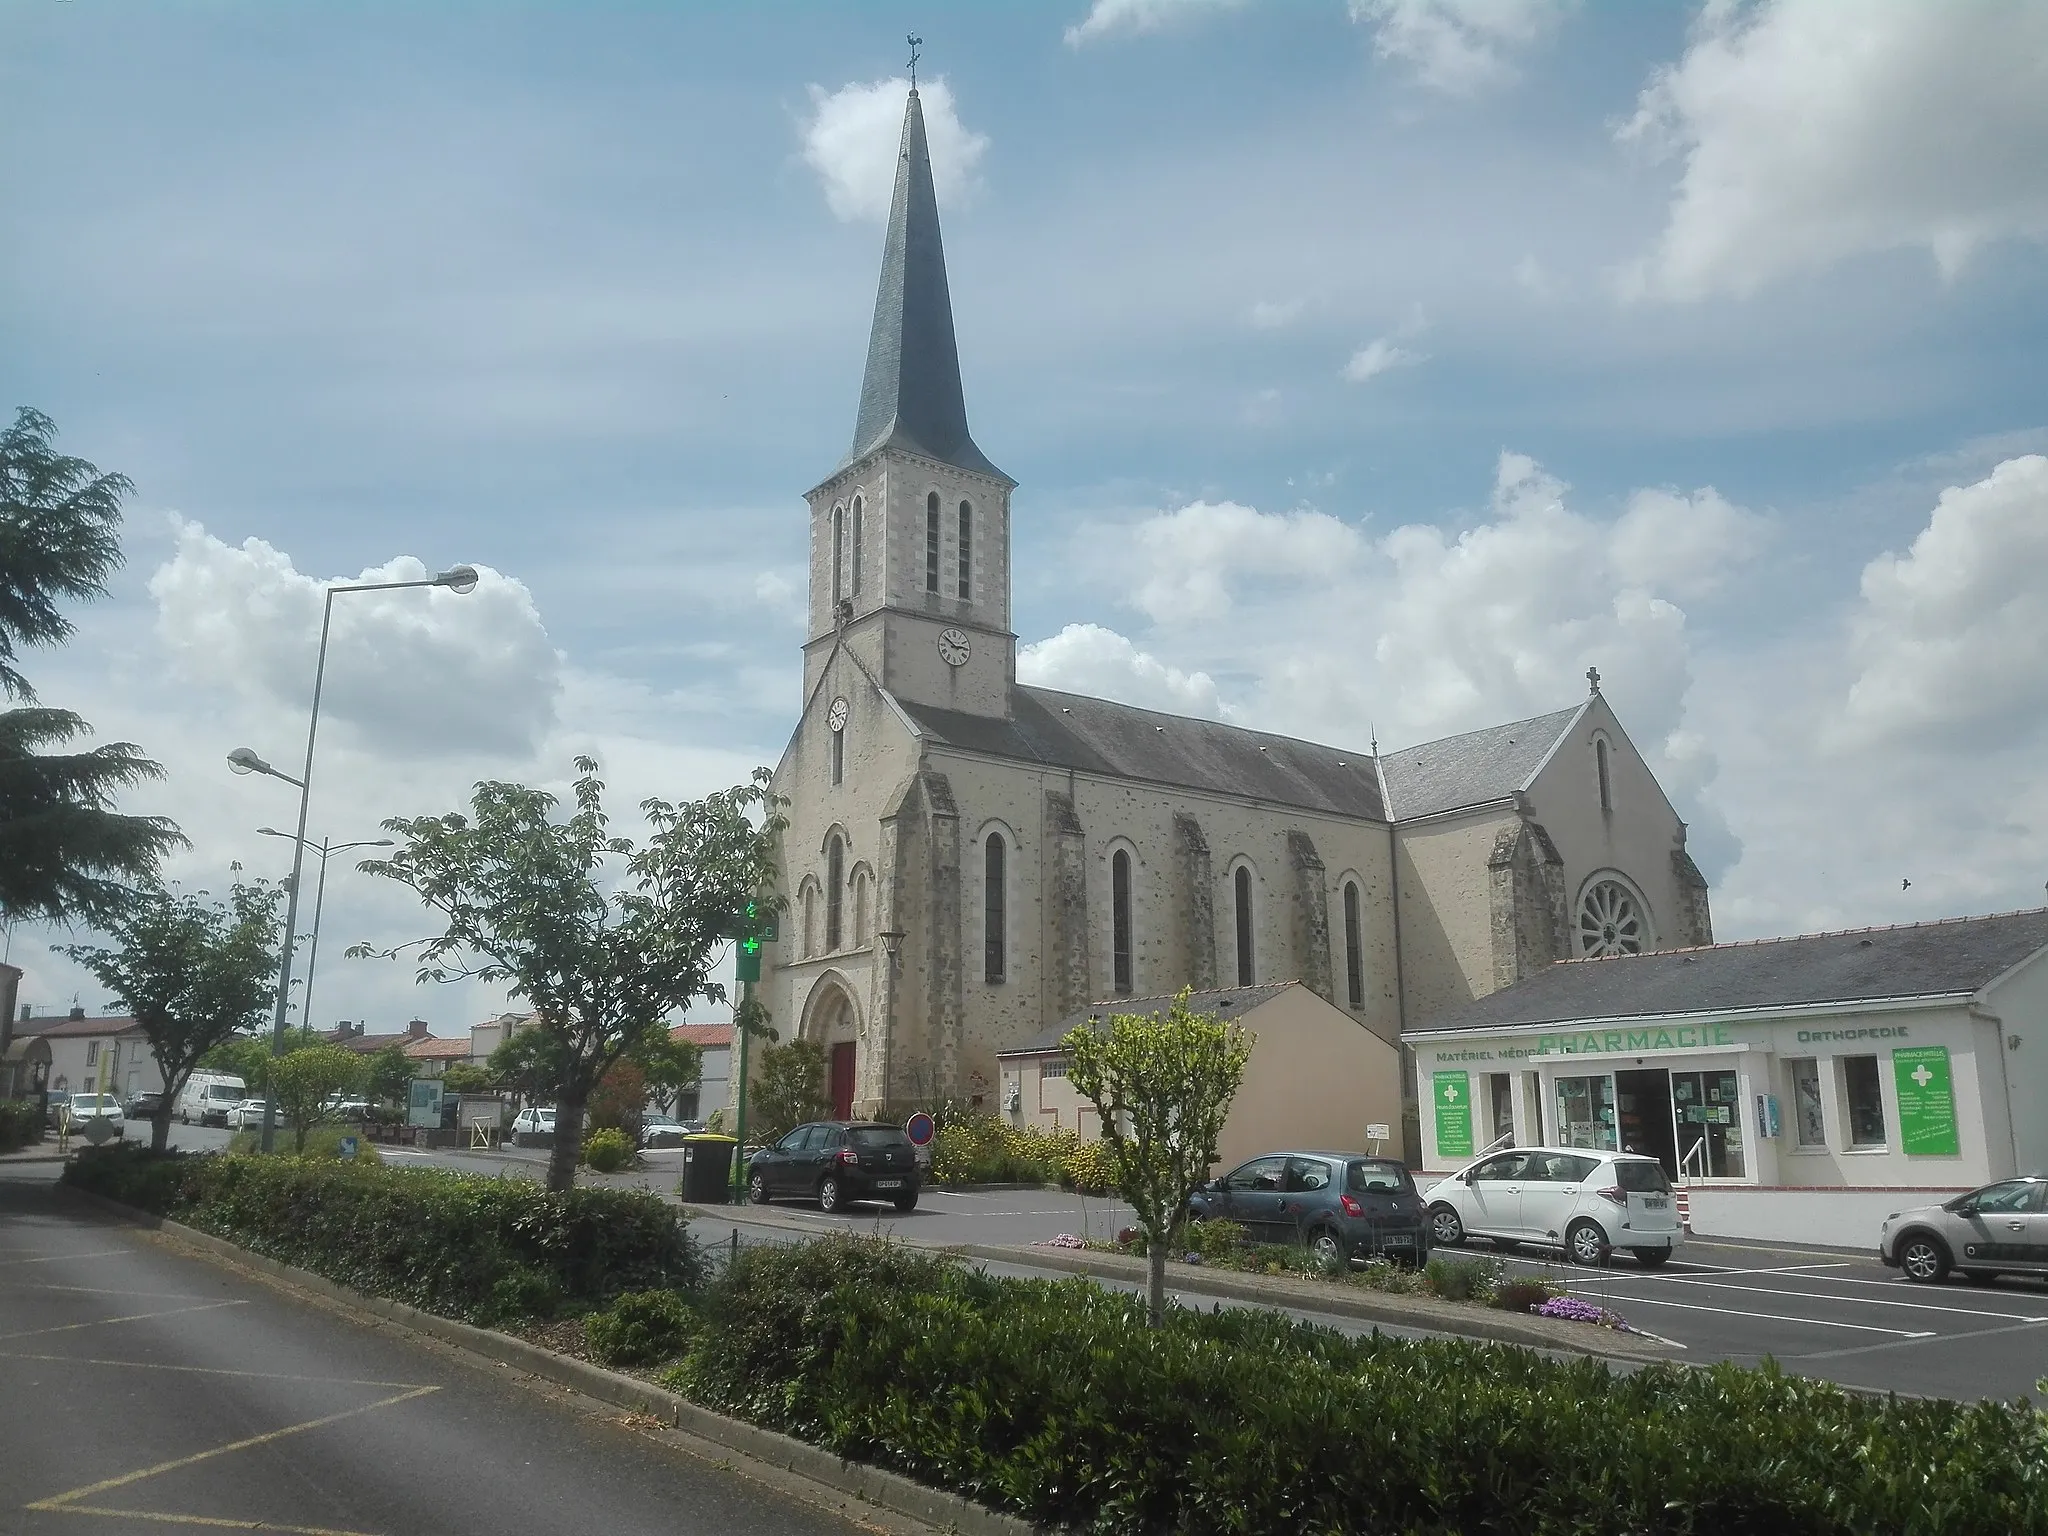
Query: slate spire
[(911, 396)]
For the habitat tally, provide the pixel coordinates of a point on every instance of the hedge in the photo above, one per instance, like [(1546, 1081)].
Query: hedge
[(472, 1247), (1053, 1400), (980, 1149), (21, 1122)]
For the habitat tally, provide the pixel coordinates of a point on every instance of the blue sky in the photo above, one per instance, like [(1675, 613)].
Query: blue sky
[(1369, 365)]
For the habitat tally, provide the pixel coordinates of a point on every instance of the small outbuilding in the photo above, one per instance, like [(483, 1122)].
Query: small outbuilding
[(1797, 1089), (1316, 1077)]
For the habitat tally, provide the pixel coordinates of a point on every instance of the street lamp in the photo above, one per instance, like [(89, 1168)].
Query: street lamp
[(326, 850), (458, 579)]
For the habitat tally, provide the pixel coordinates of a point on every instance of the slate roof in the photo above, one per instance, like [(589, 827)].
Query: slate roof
[(911, 397), (1950, 958), (1473, 769), (1071, 730), (1225, 1002)]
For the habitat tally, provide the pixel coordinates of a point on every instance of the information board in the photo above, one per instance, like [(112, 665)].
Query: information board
[(1452, 1094), (1927, 1102)]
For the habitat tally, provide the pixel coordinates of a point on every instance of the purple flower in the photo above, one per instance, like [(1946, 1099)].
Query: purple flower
[(1573, 1310)]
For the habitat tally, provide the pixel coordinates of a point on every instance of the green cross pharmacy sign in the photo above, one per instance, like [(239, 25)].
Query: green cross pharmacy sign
[(1927, 1102), (1452, 1094)]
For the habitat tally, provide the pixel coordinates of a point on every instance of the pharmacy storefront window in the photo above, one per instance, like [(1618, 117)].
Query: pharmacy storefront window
[(1585, 1112), (1708, 1109), (1866, 1101), (1809, 1126)]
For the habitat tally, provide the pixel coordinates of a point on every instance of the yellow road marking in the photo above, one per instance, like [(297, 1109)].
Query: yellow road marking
[(52, 1258), (209, 1370), (64, 1502), (133, 1317)]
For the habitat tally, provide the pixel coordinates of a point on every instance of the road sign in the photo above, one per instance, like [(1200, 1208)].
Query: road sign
[(920, 1128), (98, 1129), (348, 1146), (1379, 1133)]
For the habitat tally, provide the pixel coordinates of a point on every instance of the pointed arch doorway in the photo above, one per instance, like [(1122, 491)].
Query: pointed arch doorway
[(835, 1025)]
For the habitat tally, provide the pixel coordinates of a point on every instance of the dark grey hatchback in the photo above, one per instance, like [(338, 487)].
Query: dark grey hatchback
[(836, 1162), (1340, 1205)]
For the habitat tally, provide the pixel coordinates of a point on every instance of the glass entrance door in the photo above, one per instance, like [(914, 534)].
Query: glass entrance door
[(1706, 1113)]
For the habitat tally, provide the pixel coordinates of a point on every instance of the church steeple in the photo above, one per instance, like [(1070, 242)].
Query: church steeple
[(911, 396)]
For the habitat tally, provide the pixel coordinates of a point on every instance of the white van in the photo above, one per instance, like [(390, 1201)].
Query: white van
[(208, 1097)]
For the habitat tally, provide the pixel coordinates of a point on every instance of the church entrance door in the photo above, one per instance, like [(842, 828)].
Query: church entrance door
[(840, 1079)]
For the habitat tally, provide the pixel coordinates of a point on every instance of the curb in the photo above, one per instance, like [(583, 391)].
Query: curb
[(863, 1484), (1361, 1305)]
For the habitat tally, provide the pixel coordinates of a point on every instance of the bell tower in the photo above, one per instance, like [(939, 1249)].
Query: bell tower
[(910, 535)]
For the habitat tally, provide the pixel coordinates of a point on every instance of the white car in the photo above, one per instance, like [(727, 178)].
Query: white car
[(247, 1115), (1587, 1202), (85, 1108), (534, 1122)]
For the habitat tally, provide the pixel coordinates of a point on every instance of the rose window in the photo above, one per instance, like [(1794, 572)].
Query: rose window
[(1611, 921)]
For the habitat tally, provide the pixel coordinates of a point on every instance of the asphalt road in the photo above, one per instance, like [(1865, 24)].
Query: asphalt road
[(142, 1388), (1837, 1315)]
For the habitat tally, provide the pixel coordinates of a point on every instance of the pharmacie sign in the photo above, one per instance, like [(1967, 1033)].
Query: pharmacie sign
[(1638, 1042)]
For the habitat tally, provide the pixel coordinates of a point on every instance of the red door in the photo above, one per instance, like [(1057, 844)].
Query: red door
[(842, 1081)]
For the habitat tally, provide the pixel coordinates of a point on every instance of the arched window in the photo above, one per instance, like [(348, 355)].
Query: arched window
[(966, 553), (838, 554), (1612, 921), (860, 909), (1120, 922), (1243, 891), (1354, 947), (993, 917), (839, 756), (1600, 764), (810, 921), (835, 891), (856, 545), (931, 542)]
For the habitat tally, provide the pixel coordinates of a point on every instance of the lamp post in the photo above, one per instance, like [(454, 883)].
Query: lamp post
[(326, 850), (460, 579)]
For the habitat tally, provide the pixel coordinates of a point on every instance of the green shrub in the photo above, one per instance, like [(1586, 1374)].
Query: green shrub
[(1054, 1401), (1384, 1274), (607, 1150), (1522, 1295), (1459, 1279), (1215, 1241), (473, 1247), (21, 1122), (322, 1142), (641, 1328)]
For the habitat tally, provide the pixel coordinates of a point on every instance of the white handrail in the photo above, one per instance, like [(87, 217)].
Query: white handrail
[(1700, 1147)]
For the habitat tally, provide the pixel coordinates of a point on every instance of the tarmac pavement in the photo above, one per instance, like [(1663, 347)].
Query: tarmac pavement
[(142, 1388)]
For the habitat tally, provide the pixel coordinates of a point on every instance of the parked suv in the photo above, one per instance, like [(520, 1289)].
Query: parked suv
[(836, 1162), (1341, 1205), (1999, 1229), (1588, 1203)]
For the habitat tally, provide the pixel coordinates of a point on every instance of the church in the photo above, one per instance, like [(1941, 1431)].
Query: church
[(970, 861)]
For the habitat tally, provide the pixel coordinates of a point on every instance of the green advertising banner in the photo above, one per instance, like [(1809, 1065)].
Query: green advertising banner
[(1453, 1096), (1927, 1102)]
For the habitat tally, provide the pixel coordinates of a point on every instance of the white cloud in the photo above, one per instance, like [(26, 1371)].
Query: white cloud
[(1274, 315), (854, 135), (1684, 545), (1130, 18), (1192, 558), (1458, 46), (1086, 658), (1813, 131), (1379, 356), (423, 672), (1950, 637)]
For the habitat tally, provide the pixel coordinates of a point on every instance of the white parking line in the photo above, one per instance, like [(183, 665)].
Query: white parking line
[(1852, 1301), (1817, 1322)]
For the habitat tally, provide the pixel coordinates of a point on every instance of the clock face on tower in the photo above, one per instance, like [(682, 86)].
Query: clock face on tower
[(953, 650), (836, 718)]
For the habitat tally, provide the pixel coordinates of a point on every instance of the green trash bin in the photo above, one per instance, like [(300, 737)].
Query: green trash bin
[(707, 1169)]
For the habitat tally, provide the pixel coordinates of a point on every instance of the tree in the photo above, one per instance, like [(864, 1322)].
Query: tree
[(789, 1091), (302, 1082), (193, 971), (64, 852), (249, 1056), (462, 1078), (388, 1075), (528, 899), (619, 1100), (1162, 1087)]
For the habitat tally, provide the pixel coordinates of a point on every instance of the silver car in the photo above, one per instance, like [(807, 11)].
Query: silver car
[(1999, 1229)]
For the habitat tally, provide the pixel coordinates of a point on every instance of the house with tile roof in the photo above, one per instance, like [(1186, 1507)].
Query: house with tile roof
[(86, 1052), (1798, 1088), (970, 860)]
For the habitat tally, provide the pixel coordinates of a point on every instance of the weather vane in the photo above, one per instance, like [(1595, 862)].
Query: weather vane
[(915, 44)]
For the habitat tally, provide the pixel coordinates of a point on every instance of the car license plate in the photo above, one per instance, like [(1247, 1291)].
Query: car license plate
[(1397, 1240), (888, 1183), (1656, 1203)]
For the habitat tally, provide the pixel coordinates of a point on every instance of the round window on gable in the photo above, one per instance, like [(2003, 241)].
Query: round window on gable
[(1611, 921)]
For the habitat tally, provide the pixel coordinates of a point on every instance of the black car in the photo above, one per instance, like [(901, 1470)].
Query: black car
[(836, 1162), (143, 1106), (1339, 1204)]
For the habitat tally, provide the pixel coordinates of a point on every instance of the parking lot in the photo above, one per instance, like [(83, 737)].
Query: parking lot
[(1836, 1315)]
